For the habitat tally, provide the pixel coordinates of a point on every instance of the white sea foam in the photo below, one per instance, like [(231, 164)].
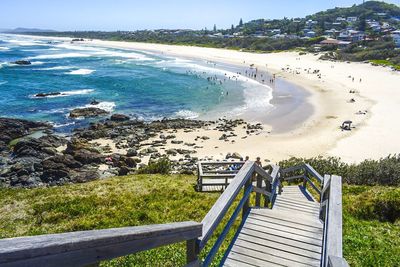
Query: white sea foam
[(3, 82), (4, 48), (24, 42), (107, 106), (186, 114), (59, 68), (57, 56), (59, 125), (81, 72), (37, 62), (68, 93), (130, 55)]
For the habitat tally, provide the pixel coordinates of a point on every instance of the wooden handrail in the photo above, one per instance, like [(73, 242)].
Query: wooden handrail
[(88, 247), (221, 206), (332, 246)]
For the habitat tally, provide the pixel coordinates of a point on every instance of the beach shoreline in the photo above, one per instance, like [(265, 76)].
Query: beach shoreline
[(338, 91)]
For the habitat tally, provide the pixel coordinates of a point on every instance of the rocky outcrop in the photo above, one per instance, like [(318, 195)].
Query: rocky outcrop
[(22, 62), (11, 129), (48, 94), (87, 112), (119, 117)]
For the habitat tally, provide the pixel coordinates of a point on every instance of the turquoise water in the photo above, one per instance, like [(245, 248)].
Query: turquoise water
[(144, 85)]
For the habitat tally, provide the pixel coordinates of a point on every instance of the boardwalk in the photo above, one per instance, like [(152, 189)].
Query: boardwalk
[(289, 234), (286, 226)]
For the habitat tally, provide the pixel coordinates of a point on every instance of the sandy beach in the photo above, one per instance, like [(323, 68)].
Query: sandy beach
[(336, 91)]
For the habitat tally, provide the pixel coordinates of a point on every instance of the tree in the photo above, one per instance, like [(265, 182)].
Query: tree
[(240, 23), (215, 28)]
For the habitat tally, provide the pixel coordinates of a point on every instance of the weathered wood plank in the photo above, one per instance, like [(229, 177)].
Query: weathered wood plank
[(288, 215), (279, 221), (292, 169), (334, 219), (88, 247), (221, 206), (265, 244), (287, 258), (282, 240), (261, 229), (314, 173), (268, 225)]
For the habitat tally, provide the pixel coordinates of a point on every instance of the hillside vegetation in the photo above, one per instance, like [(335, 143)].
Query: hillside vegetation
[(371, 215)]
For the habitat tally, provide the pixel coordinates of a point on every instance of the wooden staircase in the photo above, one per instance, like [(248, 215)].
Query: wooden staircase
[(284, 226), (289, 234)]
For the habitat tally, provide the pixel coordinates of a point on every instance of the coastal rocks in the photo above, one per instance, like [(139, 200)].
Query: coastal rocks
[(234, 155), (119, 117), (87, 112), (47, 94), (11, 129), (22, 62), (131, 152)]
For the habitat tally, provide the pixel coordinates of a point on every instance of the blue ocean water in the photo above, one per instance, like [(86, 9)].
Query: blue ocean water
[(135, 83)]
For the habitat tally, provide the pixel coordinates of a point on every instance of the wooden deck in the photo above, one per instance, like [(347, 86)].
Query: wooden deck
[(289, 234)]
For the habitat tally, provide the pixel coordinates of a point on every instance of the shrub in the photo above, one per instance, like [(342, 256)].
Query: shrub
[(385, 171), (161, 166)]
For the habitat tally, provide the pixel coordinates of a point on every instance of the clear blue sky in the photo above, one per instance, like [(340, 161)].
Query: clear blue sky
[(152, 14)]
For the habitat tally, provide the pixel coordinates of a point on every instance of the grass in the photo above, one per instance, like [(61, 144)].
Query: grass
[(370, 237), (386, 63)]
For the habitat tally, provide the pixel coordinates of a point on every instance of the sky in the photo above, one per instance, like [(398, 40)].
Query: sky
[(110, 15)]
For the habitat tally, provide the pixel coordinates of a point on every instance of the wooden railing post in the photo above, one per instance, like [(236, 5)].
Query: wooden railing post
[(268, 188), (192, 252), (246, 205), (259, 185)]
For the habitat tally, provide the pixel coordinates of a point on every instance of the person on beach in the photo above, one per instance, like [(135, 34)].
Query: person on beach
[(258, 161)]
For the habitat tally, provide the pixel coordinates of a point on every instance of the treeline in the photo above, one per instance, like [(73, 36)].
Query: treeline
[(245, 43), (385, 171)]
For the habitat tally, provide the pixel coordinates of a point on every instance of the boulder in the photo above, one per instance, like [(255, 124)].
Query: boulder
[(87, 157), (119, 117), (47, 94), (87, 112), (22, 62), (131, 152)]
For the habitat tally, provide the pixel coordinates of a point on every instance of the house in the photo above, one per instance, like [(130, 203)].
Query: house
[(340, 19), (311, 23), (351, 36), (351, 19), (331, 32), (310, 34), (396, 37), (329, 42)]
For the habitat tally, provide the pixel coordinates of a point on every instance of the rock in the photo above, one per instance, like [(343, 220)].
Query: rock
[(94, 102), (176, 142), (11, 129), (22, 62), (87, 157), (205, 137), (47, 94), (119, 117), (171, 152), (87, 112), (236, 155), (131, 152), (130, 162), (123, 171)]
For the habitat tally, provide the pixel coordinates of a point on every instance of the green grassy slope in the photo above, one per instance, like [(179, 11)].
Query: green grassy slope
[(371, 231)]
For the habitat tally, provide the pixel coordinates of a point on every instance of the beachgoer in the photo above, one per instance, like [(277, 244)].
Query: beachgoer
[(258, 161)]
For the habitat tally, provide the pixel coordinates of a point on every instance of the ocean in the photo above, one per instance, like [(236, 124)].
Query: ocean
[(140, 84)]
